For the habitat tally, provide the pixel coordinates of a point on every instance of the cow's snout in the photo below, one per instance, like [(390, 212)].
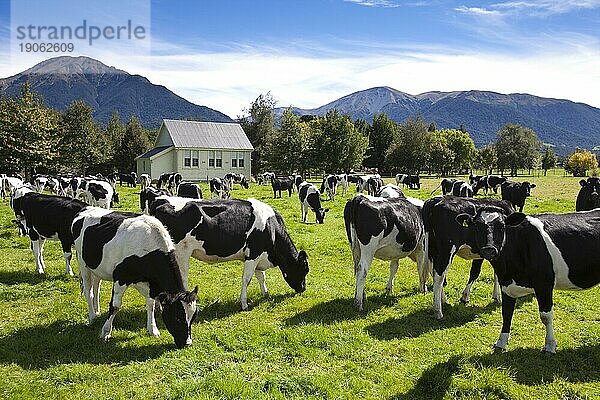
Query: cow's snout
[(489, 252)]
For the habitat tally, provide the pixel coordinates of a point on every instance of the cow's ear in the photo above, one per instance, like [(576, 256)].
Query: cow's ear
[(302, 256), (532, 185), (326, 210), (515, 219), (583, 182), (193, 294), (164, 298), (464, 219)]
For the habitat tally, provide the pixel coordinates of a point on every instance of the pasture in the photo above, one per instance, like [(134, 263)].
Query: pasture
[(312, 345)]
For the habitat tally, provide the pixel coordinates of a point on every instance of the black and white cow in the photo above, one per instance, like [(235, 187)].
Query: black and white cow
[(386, 229), (343, 181), (537, 254), (145, 181), (446, 184), (402, 179), (77, 186), (11, 184), (132, 249), (112, 179), (360, 181), (189, 190), (265, 178), (100, 194), (237, 178), (310, 199), (462, 189), (588, 197), (219, 188), (297, 180), (43, 217), (63, 185), (414, 182), (473, 179), (516, 192), (488, 182), (445, 238), (224, 230), (39, 182), (374, 183), (130, 179), (174, 181), (329, 185), (148, 195), (281, 183), (163, 179), (390, 191)]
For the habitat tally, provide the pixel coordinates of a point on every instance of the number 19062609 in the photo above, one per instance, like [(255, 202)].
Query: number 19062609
[(46, 47)]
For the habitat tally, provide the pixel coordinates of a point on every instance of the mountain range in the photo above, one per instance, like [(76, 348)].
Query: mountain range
[(61, 80), (562, 123)]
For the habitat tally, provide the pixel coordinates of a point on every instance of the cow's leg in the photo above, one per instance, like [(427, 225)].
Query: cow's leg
[(86, 282), (67, 255), (115, 304), (35, 247), (418, 256), (544, 298), (249, 268), (95, 283), (144, 290), (389, 288), (260, 277), (497, 294), (473, 275), (440, 269), (360, 273), (508, 309)]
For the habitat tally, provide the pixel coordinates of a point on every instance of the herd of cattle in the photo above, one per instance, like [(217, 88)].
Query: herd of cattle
[(151, 251)]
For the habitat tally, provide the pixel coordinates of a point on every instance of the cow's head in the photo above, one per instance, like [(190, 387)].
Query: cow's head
[(178, 313), (244, 183), (22, 226), (526, 188), (488, 227), (320, 214), (590, 189), (295, 275)]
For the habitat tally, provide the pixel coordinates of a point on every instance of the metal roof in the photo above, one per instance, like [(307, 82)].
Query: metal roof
[(153, 151), (210, 135)]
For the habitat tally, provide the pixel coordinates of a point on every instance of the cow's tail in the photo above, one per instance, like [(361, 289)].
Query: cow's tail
[(436, 188), (350, 223), (322, 189)]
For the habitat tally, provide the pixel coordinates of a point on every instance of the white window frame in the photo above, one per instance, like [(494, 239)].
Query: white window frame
[(187, 156)]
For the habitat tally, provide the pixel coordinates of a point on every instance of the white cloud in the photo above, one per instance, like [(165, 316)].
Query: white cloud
[(531, 8), (477, 11), (374, 3)]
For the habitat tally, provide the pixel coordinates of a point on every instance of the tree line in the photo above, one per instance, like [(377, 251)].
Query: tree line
[(335, 143), (37, 139)]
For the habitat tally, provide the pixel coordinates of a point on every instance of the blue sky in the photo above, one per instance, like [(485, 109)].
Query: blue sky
[(224, 53)]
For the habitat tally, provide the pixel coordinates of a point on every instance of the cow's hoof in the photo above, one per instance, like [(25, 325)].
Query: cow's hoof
[(154, 333), (497, 300), (439, 316), (497, 349), (462, 300), (105, 336), (549, 350)]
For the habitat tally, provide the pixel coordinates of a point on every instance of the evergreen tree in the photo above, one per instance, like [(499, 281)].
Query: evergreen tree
[(548, 159), (134, 142), (381, 136), (287, 148), (487, 158), (258, 125), (409, 150)]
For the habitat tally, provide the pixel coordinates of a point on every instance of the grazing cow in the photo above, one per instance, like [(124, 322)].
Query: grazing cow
[(310, 199), (446, 184), (516, 192), (189, 190), (77, 186), (537, 254), (390, 191), (164, 179), (374, 183), (473, 179), (265, 178), (281, 183), (237, 178), (445, 238), (174, 181), (386, 229), (224, 230), (132, 249), (588, 197), (329, 185), (414, 182), (462, 189), (401, 179), (101, 194), (112, 179), (53, 185), (11, 184), (39, 182), (130, 179), (220, 188), (488, 182), (63, 185), (360, 181), (297, 180), (145, 181), (343, 180), (43, 217), (148, 195)]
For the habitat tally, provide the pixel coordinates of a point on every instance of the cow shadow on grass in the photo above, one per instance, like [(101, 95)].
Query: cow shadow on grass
[(341, 309), (422, 321), (528, 367), (30, 277), (61, 342), (222, 309)]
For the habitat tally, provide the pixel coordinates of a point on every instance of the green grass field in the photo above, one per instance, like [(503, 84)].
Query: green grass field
[(313, 345)]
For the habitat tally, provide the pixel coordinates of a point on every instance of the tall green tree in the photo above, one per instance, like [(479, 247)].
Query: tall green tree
[(28, 133), (134, 142), (287, 148), (381, 135), (581, 161), (82, 144), (462, 147), (487, 158), (516, 147), (548, 159), (409, 150), (441, 157), (258, 124)]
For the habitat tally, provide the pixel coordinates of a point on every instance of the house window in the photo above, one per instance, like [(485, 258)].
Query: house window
[(187, 158), (195, 162), (219, 159), (144, 165), (241, 160), (234, 162), (211, 158)]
